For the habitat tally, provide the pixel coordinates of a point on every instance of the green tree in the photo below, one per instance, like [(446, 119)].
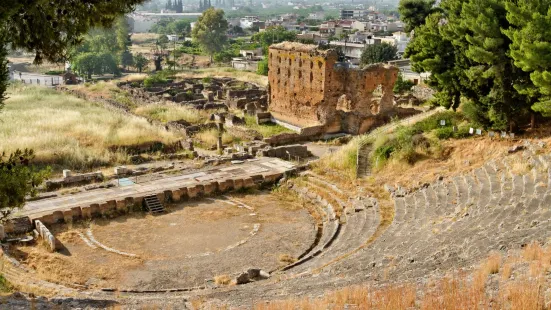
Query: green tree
[(531, 50), (140, 62), (210, 31), (273, 35), (162, 42), (4, 71), (262, 67), (122, 30), (87, 64), (402, 85), (126, 59), (430, 51), (181, 28), (414, 12), (464, 47), (376, 53), (18, 179)]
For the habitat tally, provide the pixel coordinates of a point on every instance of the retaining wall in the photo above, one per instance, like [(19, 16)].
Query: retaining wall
[(46, 235), (112, 208)]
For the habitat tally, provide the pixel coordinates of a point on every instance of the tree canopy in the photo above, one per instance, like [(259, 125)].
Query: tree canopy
[(210, 31), (376, 53), (488, 54), (17, 180), (48, 28), (273, 35), (414, 12)]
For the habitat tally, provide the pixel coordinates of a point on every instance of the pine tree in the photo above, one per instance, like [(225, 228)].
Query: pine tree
[(531, 50), (414, 12), (464, 47)]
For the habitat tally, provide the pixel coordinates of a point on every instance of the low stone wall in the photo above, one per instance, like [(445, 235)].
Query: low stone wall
[(285, 151), (46, 235), (121, 206), (79, 179), (19, 225)]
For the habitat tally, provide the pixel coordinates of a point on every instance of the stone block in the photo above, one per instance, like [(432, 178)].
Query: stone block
[(107, 208), (176, 195), (121, 206), (183, 194), (210, 188), (94, 210), (248, 183), (272, 177), (225, 186), (195, 191), (86, 212), (257, 179), (237, 184), (137, 205), (77, 213), (68, 216), (167, 196)]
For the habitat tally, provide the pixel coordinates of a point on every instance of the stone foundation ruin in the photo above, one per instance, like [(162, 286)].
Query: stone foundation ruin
[(311, 88)]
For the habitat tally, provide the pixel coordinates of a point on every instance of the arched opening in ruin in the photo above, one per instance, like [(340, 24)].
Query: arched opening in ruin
[(311, 77)]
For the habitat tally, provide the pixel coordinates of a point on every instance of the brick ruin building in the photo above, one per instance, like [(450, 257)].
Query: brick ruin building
[(310, 88)]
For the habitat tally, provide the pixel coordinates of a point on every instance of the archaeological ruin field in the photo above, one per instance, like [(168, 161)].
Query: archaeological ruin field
[(206, 189)]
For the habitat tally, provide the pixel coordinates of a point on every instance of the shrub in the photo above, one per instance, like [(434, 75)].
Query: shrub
[(154, 80), (207, 80), (262, 67), (54, 72), (444, 133)]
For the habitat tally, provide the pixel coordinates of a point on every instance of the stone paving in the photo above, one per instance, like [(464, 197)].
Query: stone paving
[(262, 166)]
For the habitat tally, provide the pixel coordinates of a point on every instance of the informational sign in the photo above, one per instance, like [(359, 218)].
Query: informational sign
[(479, 132), (491, 134), (503, 134), (442, 122), (471, 130)]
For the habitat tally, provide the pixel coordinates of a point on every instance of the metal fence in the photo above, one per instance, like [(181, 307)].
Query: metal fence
[(36, 79)]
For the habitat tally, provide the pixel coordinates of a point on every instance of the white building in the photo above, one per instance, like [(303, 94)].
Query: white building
[(142, 21), (248, 21)]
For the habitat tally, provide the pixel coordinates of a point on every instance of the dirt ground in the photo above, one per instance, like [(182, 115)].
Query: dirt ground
[(187, 246)]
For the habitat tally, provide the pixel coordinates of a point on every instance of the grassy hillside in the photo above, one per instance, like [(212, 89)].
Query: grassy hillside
[(70, 133)]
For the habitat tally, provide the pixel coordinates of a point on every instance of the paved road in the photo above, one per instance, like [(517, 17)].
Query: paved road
[(252, 167)]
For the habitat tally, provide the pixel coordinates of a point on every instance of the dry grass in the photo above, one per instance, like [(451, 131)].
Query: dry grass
[(172, 112), (286, 259), (356, 297), (524, 295), (533, 251), (68, 132), (96, 90), (209, 138), (226, 72), (134, 77), (222, 280)]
